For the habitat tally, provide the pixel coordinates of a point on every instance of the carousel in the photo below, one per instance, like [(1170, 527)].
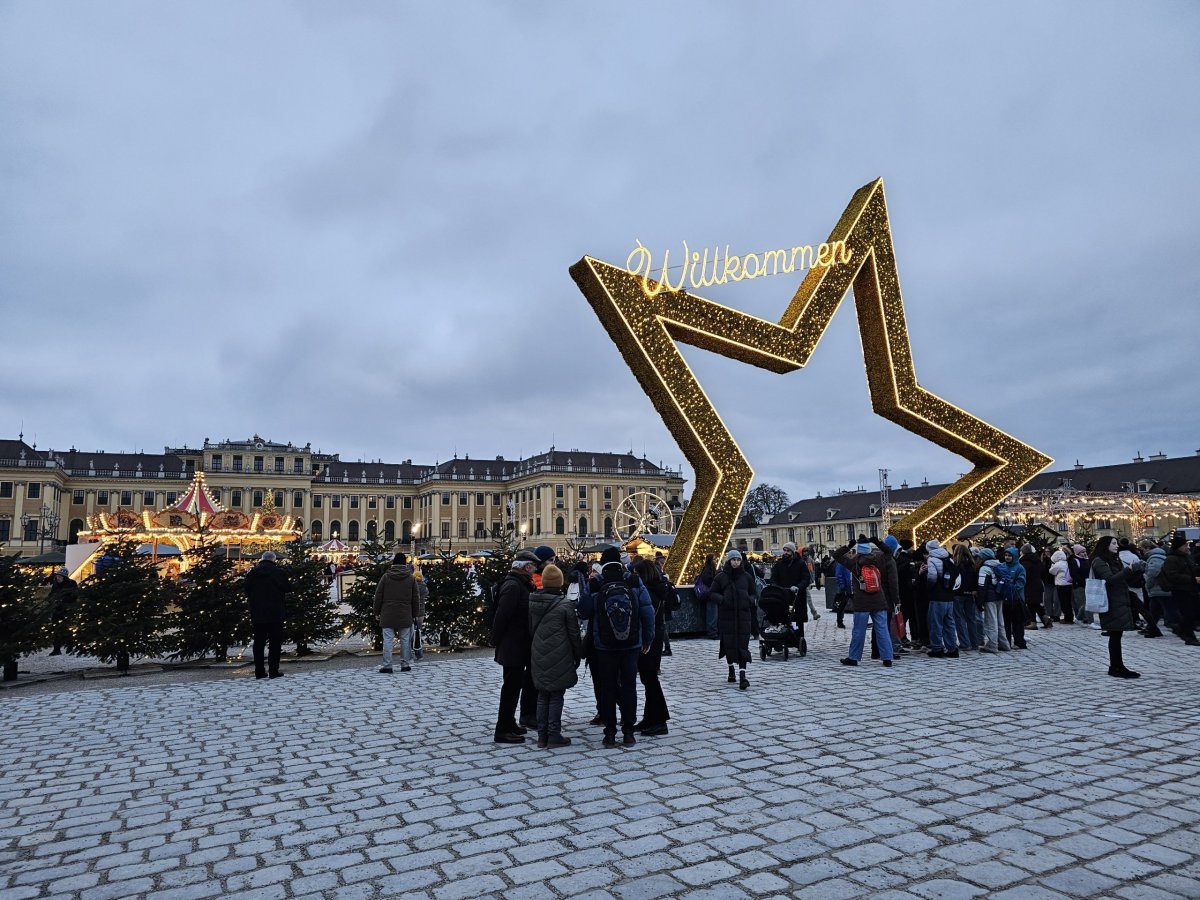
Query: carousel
[(195, 519)]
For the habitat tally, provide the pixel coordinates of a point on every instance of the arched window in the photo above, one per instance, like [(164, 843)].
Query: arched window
[(406, 531), (372, 530), (316, 530), (335, 528), (582, 525), (76, 527), (389, 531), (560, 525), (608, 527), (353, 530), (758, 545)]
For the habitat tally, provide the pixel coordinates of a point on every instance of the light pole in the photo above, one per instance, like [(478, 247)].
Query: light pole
[(412, 544), (47, 525)]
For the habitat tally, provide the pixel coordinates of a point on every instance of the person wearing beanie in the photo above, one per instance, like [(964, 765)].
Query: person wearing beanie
[(511, 638), (1012, 594), (737, 618), (1034, 611), (1060, 571), (1160, 604), (791, 573), (266, 585), (989, 593), (1118, 618), (545, 555), (655, 713), (1079, 567), (555, 653), (397, 605), (1181, 574), (941, 575), (869, 571), (62, 598)]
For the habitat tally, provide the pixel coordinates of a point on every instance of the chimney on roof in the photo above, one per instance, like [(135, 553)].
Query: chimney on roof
[(924, 482), (1079, 465), (904, 485), (1138, 458), (1157, 456)]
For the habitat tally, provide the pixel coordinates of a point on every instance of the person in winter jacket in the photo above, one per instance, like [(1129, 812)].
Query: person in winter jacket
[(905, 571), (891, 589), (829, 579), (615, 667), (555, 652), (869, 603), (737, 617), (1032, 564), (266, 585), (511, 638), (1064, 588), (966, 613), (62, 597), (398, 606), (791, 573), (662, 595), (1182, 572), (1012, 591), (705, 580), (988, 594), (845, 590), (1049, 595), (1107, 567), (940, 577), (1157, 596), (1080, 566)]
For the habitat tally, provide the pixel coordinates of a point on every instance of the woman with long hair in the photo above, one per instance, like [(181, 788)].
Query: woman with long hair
[(733, 589), (1107, 567)]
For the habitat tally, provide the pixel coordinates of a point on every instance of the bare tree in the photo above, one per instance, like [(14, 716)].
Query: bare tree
[(765, 500)]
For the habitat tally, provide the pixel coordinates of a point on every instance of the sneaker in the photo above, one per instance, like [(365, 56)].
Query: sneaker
[(654, 730), (937, 654), (887, 663), (406, 668), (1020, 646), (1005, 649), (849, 662), (628, 740), (557, 740), (610, 740), (1095, 626), (507, 737), (385, 670), (987, 650)]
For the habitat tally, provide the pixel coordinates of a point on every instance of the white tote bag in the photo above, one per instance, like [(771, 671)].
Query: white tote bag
[(1096, 597)]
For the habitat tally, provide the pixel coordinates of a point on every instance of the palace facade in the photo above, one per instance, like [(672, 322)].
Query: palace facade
[(560, 497)]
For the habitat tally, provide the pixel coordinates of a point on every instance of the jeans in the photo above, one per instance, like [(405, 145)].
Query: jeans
[(654, 709), (1078, 598), (942, 634), (616, 673), (993, 628), (549, 713), (858, 636), (710, 618), (267, 633), (389, 640), (966, 622)]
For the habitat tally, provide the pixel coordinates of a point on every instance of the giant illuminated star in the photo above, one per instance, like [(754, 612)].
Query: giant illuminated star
[(645, 331)]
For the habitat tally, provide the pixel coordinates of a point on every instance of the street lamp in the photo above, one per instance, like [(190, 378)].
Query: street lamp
[(47, 525), (412, 544)]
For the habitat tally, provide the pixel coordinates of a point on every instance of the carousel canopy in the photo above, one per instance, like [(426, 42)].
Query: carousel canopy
[(333, 546), (197, 499)]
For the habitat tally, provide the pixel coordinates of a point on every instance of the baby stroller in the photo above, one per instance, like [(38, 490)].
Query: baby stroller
[(777, 632)]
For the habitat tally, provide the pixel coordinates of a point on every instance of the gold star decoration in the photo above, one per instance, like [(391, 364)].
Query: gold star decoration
[(646, 329)]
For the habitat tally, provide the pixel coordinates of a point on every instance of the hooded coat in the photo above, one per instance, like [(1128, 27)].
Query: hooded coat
[(510, 628), (1154, 563), (989, 567), (1059, 569), (791, 571), (1119, 616), (935, 565), (398, 599), (1033, 579), (736, 618), (556, 648), (861, 600), (1013, 573)]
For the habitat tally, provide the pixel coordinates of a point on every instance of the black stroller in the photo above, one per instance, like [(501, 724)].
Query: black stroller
[(777, 632)]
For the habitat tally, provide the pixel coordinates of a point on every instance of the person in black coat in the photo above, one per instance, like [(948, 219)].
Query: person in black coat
[(266, 585), (512, 640), (737, 618), (791, 573), (662, 594), (62, 598)]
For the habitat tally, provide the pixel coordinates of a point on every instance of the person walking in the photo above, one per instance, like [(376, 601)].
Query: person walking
[(868, 568), (792, 574), (940, 575), (622, 618), (1012, 592), (1181, 572), (989, 596), (555, 652), (655, 713), (398, 607), (1064, 589), (1107, 567), (1079, 566), (511, 638), (266, 585), (737, 619), (62, 597)]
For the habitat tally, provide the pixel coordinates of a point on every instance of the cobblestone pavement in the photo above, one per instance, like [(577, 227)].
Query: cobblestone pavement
[(1022, 775)]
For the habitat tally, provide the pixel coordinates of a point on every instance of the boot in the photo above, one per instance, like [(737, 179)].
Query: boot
[(731, 679), (743, 683), (1122, 672), (610, 738), (543, 740), (557, 740)]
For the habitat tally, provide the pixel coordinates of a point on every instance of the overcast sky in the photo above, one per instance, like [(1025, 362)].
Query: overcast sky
[(351, 223)]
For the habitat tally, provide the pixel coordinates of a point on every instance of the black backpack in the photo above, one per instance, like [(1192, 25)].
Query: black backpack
[(945, 583), (619, 617)]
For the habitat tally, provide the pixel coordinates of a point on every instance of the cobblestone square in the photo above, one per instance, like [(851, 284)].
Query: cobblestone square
[(1020, 775)]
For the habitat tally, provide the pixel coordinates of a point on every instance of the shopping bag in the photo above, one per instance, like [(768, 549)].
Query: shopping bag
[(1096, 596), (417, 644), (898, 626)]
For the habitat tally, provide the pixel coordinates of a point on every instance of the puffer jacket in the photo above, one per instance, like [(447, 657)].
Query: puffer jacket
[(1120, 615), (1059, 569), (1154, 563), (557, 648), (1014, 574), (935, 565), (1181, 571), (737, 618), (397, 599)]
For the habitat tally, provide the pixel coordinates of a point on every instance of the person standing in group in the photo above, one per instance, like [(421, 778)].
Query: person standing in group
[(511, 638), (622, 625), (966, 614), (1079, 566), (1049, 594), (555, 652), (829, 579), (904, 573), (62, 597), (398, 607), (655, 713), (989, 594), (737, 619), (891, 590), (792, 574), (1012, 591), (545, 555), (1064, 588), (266, 585), (1032, 564), (1181, 572), (704, 583), (868, 568), (940, 577), (845, 591), (1107, 567), (921, 597)]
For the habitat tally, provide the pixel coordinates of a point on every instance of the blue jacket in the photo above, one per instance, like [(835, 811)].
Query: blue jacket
[(845, 579), (587, 608), (1014, 574)]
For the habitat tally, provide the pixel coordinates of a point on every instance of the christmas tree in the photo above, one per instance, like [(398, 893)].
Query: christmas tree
[(213, 613), (121, 610), (309, 615), (454, 609), (360, 596), (24, 614)]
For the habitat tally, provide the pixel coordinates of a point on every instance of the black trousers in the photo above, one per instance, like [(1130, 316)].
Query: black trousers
[(654, 710), (1014, 623), (921, 620), (1065, 601), (269, 634), (616, 673), (517, 687), (1186, 603)]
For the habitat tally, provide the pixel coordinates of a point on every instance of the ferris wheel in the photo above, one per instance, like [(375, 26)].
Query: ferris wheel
[(643, 513)]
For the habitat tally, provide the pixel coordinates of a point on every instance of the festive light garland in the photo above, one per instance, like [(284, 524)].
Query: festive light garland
[(645, 331)]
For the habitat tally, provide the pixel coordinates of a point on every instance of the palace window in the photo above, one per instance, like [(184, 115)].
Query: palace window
[(874, 526), (126, 498), (34, 491), (495, 499), (147, 498), (829, 533), (372, 502), (408, 502), (5, 530), (354, 501), (446, 500), (445, 529), (462, 529), (389, 531), (558, 492), (318, 500), (102, 498), (76, 496), (258, 498), (316, 529), (171, 498), (279, 464), (353, 530), (850, 533), (278, 498), (335, 528), (560, 525), (237, 463), (298, 465), (258, 464), (335, 501), (31, 530), (462, 500), (479, 529), (808, 539), (582, 526), (479, 499), (6, 488), (235, 498), (217, 462), (297, 499)]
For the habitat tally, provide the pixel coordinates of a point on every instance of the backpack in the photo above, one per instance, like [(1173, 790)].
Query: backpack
[(946, 581), (620, 622), (870, 579), (989, 591)]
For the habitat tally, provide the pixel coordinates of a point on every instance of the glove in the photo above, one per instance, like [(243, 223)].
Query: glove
[(795, 590)]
